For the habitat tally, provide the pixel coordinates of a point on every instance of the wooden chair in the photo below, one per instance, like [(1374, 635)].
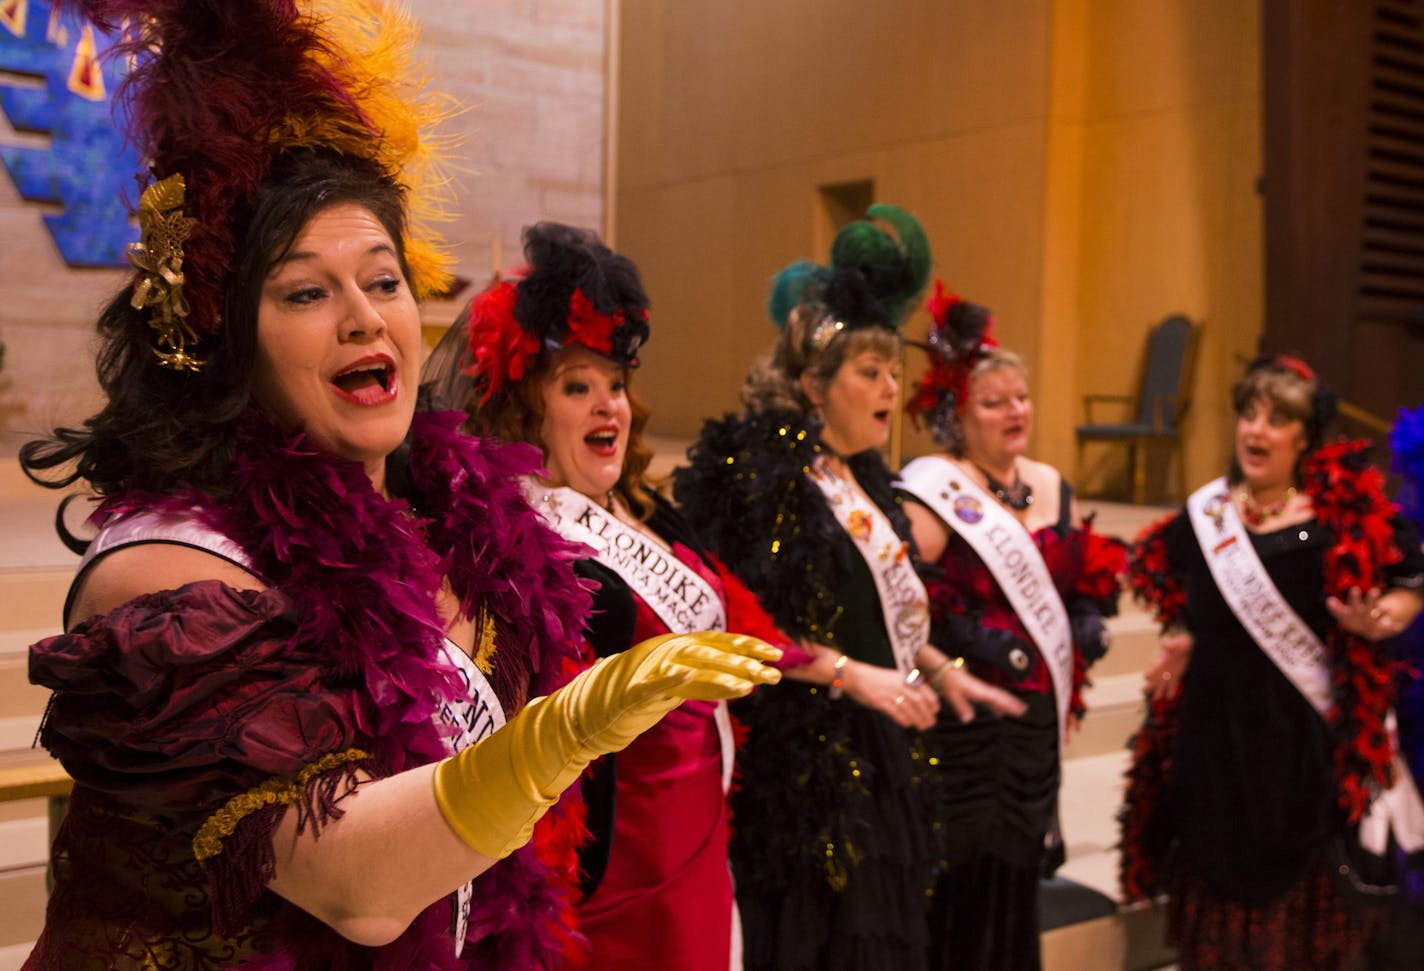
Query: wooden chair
[(1160, 405)]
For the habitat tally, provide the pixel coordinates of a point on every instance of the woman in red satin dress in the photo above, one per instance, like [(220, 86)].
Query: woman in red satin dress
[(546, 358)]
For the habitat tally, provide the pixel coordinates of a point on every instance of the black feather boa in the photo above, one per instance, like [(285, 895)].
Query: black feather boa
[(747, 492)]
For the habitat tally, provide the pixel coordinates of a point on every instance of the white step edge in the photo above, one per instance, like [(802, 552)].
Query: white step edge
[(1113, 691), (12, 958), (24, 842), (18, 733), (15, 644)]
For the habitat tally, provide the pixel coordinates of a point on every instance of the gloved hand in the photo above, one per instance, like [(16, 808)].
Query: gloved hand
[(493, 792)]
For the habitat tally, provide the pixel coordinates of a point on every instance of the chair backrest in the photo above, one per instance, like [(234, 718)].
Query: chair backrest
[(1165, 372)]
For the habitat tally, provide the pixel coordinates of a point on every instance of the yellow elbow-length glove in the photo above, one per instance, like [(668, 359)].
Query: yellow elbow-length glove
[(493, 792)]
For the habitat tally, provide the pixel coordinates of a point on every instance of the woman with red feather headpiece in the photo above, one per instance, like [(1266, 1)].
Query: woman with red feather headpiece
[(295, 687), (1265, 762), (1019, 584), (547, 357)]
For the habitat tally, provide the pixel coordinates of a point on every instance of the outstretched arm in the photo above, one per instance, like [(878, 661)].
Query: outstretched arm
[(397, 844)]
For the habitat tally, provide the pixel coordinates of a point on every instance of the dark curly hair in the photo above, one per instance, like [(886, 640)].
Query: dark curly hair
[(161, 429)]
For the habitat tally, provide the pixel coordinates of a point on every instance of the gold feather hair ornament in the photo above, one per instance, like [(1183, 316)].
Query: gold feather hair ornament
[(218, 89)]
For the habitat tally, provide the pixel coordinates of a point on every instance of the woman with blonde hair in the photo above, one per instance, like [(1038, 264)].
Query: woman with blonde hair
[(1018, 584)]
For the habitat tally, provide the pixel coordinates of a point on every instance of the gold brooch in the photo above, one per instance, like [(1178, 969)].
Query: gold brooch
[(859, 524), (158, 256)]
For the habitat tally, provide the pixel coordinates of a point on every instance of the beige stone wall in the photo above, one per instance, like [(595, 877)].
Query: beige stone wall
[(529, 75), (1083, 167)]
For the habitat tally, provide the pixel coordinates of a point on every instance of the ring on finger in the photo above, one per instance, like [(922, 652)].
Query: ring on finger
[(899, 699)]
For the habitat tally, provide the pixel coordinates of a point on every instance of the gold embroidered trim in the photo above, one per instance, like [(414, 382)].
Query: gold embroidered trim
[(158, 257), (485, 647), (208, 842)]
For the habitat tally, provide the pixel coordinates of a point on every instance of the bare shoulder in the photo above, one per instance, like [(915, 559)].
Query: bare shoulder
[(1040, 475), (929, 531), (1044, 479), (1047, 493), (148, 568)]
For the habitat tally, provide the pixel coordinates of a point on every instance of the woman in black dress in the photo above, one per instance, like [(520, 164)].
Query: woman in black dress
[(831, 843), (1265, 742), (1018, 585)]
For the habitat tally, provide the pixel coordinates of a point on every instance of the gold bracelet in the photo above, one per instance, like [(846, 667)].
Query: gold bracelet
[(837, 689), (949, 662)]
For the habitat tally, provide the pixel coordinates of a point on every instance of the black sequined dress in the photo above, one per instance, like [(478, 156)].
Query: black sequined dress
[(830, 847)]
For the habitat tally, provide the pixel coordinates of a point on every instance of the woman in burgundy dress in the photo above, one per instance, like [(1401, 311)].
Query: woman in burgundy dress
[(1266, 742), (548, 359), (295, 691), (1018, 586)]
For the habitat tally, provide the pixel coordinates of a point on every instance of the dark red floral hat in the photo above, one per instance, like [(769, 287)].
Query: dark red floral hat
[(574, 290), (960, 335)]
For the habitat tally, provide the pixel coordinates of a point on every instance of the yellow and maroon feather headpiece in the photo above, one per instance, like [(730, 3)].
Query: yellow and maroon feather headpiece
[(218, 89)]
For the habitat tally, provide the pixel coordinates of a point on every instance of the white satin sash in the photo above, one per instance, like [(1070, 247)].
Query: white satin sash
[(1247, 589), (683, 601), (1012, 557), (475, 715), (903, 599)]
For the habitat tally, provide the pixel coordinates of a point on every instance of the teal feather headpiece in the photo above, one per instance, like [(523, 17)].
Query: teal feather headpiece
[(872, 280)]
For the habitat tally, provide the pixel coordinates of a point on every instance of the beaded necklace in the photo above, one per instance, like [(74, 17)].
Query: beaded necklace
[(1017, 495), (1253, 514)]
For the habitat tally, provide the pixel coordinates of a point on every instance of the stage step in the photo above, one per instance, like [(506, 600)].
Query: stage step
[(1129, 939)]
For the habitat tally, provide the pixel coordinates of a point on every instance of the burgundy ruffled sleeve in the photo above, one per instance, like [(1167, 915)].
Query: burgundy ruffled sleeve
[(194, 706), (176, 701)]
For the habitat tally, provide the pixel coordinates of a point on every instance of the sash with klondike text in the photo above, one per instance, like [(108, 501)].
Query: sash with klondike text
[(683, 601), (1295, 649), (1012, 558), (475, 716), (903, 600)]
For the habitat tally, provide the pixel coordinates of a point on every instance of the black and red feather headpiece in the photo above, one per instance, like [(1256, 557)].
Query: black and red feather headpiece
[(960, 335)]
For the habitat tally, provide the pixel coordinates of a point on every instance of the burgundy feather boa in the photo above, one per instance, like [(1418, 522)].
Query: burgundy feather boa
[(1348, 498), (367, 570)]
